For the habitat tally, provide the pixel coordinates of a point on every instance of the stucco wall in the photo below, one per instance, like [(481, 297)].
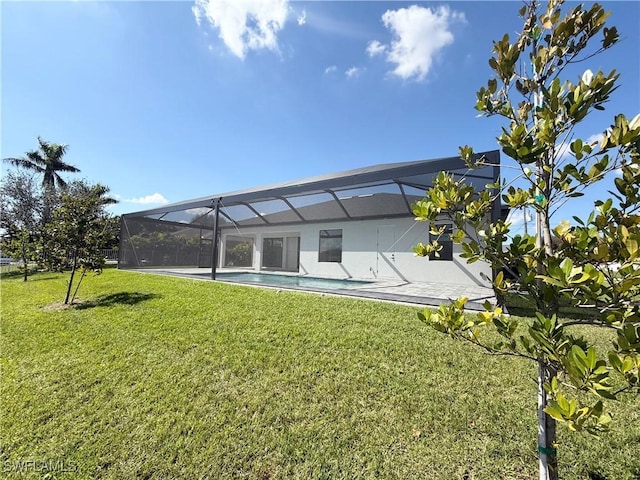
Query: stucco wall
[(372, 249)]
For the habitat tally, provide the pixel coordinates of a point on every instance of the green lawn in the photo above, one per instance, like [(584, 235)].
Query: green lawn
[(160, 377)]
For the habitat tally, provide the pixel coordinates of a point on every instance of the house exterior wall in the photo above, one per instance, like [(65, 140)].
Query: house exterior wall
[(371, 249)]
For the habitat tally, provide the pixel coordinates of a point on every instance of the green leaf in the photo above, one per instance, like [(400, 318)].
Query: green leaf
[(555, 412), (614, 360), (579, 358), (550, 280), (627, 365), (606, 393), (567, 267), (591, 358), (563, 404)]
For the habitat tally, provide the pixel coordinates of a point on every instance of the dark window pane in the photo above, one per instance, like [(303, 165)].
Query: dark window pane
[(330, 249)]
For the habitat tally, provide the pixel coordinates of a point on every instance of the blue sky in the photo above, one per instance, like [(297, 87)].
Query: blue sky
[(166, 101)]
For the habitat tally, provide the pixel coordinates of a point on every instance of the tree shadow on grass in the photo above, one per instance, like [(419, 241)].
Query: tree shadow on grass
[(120, 298), (597, 476), (11, 274), (525, 307), (33, 275)]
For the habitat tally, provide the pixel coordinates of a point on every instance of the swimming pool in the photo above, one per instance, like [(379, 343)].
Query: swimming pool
[(294, 281)]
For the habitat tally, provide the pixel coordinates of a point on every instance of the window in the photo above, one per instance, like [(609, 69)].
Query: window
[(330, 249), (444, 239), (238, 251)]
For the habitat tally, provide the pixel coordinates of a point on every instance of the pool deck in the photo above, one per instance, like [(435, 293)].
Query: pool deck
[(415, 293)]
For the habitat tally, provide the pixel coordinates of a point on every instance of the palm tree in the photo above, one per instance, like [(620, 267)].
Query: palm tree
[(48, 161)]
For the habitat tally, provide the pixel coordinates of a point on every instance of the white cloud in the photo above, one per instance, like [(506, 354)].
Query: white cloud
[(198, 212), (516, 218), (153, 198), (563, 150), (302, 19), (244, 25), (197, 13), (352, 72), (375, 48), (597, 138), (419, 35), (330, 69)]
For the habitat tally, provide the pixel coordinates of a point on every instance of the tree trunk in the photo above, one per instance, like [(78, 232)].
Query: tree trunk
[(47, 209), (545, 232), (73, 272), (75, 292), (548, 460), (25, 265)]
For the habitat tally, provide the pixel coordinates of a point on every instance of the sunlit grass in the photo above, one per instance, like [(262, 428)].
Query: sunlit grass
[(159, 377)]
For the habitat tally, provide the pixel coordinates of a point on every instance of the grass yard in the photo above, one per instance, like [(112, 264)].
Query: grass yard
[(160, 377)]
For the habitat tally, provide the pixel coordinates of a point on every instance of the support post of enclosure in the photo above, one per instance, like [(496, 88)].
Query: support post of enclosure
[(214, 238)]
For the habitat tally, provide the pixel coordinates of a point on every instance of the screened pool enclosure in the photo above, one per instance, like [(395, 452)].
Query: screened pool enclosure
[(307, 226)]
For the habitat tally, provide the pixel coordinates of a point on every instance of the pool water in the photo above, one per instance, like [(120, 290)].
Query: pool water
[(289, 280)]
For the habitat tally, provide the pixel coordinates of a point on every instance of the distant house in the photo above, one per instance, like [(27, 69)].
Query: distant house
[(354, 224)]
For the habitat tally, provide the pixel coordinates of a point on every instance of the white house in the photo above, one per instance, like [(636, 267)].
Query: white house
[(356, 224)]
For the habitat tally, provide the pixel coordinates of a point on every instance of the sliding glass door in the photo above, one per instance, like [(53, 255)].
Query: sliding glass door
[(281, 253), (272, 249)]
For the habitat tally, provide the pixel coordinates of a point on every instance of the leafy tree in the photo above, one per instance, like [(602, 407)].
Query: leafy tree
[(79, 230), (46, 160), (594, 262), (21, 204)]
